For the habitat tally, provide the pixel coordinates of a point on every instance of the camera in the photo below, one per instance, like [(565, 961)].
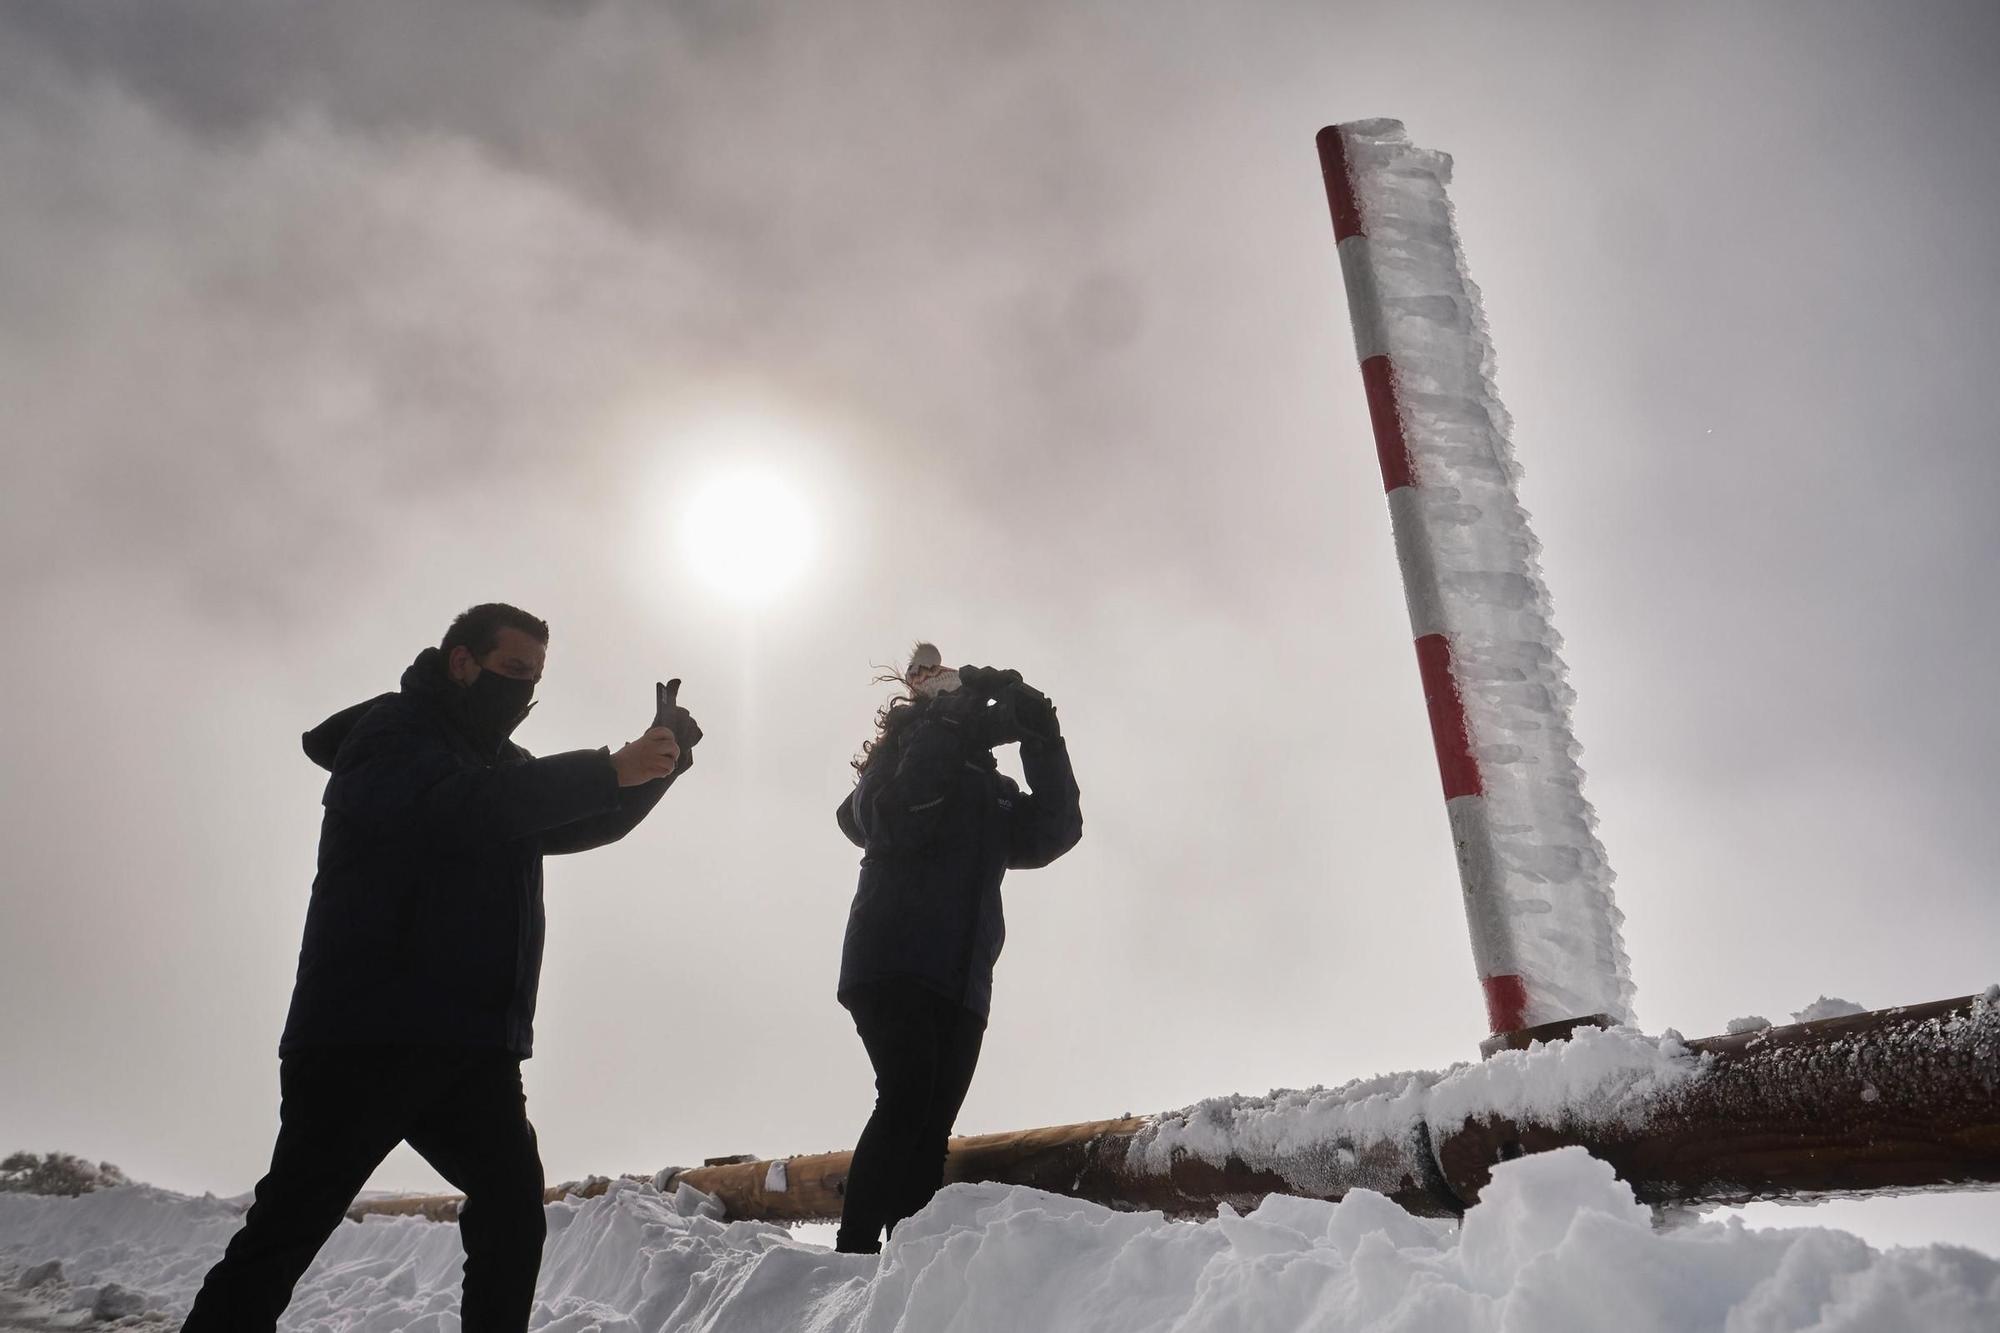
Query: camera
[(1007, 708), (986, 684)]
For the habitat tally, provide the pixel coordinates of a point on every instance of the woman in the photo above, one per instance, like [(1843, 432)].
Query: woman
[(939, 826)]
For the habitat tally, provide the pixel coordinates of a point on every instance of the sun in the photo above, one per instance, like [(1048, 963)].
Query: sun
[(746, 533)]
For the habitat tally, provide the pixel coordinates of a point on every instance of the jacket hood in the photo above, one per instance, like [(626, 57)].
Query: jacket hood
[(425, 676), (323, 742)]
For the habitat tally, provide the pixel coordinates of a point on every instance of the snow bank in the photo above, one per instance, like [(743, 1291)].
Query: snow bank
[(1321, 1137), (1539, 884), (1556, 1244)]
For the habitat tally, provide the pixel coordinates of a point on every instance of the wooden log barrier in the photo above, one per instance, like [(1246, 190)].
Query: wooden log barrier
[(1895, 1099)]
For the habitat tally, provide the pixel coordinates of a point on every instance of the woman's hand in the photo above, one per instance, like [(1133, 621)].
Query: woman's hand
[(1035, 714), (985, 682)]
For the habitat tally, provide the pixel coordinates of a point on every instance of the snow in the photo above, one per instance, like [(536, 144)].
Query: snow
[(1551, 917), (1824, 1007), (1556, 1244), (1320, 1138), (1827, 1007)]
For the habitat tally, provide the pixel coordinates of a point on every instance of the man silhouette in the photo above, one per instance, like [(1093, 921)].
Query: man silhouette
[(415, 999)]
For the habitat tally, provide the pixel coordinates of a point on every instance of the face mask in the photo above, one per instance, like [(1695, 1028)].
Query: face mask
[(932, 683), (495, 704)]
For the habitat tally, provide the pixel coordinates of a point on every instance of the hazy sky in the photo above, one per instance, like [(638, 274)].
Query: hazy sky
[(319, 322)]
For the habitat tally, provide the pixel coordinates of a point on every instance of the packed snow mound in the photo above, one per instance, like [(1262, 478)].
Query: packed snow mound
[(1555, 1244)]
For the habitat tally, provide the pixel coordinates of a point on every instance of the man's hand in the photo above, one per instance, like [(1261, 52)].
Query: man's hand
[(668, 713), (647, 759)]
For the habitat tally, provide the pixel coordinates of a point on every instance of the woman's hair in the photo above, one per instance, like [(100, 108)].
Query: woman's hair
[(887, 717)]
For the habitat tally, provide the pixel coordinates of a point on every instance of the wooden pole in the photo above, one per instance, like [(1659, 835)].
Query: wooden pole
[(1545, 932), (1896, 1099)]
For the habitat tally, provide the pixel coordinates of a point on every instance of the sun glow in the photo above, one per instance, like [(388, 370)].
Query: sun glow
[(747, 533)]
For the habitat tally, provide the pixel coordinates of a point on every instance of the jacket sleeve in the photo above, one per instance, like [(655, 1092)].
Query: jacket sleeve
[(903, 798), (634, 804), (396, 774), (1047, 820), (844, 816)]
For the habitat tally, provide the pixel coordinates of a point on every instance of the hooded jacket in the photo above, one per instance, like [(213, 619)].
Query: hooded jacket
[(939, 827), (426, 922)]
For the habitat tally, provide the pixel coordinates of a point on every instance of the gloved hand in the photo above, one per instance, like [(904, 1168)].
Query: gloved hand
[(995, 723), (668, 713), (985, 682), (1034, 714)]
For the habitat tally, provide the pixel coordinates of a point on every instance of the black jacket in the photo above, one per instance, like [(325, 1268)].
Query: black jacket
[(426, 920), (939, 827)]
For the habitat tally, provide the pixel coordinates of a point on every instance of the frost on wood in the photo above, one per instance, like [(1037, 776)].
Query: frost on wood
[(1907, 1083), (1551, 884), (1901, 1099), (1365, 1134)]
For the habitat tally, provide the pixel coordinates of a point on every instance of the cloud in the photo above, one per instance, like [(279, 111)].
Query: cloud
[(279, 274)]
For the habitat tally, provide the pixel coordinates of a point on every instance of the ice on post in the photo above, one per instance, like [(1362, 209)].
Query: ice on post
[(1538, 899)]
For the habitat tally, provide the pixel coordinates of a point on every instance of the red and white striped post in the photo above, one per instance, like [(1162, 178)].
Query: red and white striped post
[(1493, 950)]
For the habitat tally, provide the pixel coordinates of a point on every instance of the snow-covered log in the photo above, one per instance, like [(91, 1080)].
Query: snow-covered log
[(1895, 1099)]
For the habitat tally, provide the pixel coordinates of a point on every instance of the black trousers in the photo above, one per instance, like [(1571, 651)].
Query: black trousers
[(343, 1110), (924, 1049)]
